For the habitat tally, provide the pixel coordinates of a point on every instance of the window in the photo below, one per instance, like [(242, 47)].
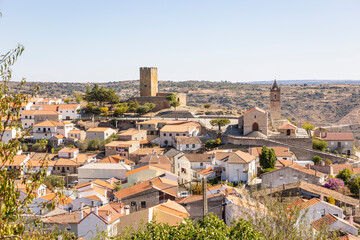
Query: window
[(26, 116), (193, 145), (295, 177), (254, 116), (48, 129), (281, 177), (25, 124), (68, 168), (170, 134), (149, 126), (335, 214), (164, 134), (184, 134), (143, 204), (201, 164), (332, 143), (177, 134), (187, 145), (346, 143), (133, 203)]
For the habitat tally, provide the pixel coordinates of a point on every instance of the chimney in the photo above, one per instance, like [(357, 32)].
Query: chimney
[(226, 192), (138, 127), (81, 212), (127, 209), (106, 191), (150, 183), (308, 165), (322, 197), (112, 181), (108, 217), (96, 210), (351, 220), (316, 173)]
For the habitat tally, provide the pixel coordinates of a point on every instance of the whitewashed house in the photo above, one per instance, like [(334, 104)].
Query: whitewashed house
[(70, 111), (169, 132), (187, 144)]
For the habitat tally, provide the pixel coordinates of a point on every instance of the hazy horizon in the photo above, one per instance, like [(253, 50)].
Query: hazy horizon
[(236, 41)]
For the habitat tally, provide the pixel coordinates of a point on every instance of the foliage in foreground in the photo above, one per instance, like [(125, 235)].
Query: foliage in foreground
[(210, 227)]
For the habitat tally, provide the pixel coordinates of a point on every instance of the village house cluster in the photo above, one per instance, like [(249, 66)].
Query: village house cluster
[(151, 169)]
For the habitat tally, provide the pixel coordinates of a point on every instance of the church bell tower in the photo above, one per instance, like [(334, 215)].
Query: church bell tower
[(275, 104)]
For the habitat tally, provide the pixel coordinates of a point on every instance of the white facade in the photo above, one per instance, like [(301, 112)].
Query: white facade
[(96, 225), (320, 210), (238, 172), (44, 132), (183, 170), (167, 135), (69, 113), (9, 134), (102, 171), (188, 147)]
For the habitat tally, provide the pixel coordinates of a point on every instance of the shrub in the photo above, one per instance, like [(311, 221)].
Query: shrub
[(95, 144), (53, 181), (319, 144), (317, 159), (328, 162), (25, 147), (354, 187), (331, 200), (207, 105), (265, 170), (334, 184), (345, 175)]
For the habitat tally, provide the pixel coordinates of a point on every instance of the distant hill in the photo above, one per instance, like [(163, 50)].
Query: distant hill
[(315, 101), (309, 82)]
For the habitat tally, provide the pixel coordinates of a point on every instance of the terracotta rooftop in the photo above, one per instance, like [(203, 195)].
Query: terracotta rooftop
[(324, 221), (193, 157), (206, 171), (283, 163), (187, 140), (76, 131), (66, 162), (68, 106), (145, 151), (288, 126), (254, 108), (16, 161), (279, 151), (98, 129), (115, 159), (67, 150), (240, 157), (121, 143), (130, 132), (176, 128), (156, 183), (155, 159), (47, 123), (337, 136)]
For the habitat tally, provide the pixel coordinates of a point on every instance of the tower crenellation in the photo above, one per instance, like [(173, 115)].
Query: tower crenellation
[(148, 81)]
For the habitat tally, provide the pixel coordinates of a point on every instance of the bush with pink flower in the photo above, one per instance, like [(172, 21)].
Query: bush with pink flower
[(334, 184)]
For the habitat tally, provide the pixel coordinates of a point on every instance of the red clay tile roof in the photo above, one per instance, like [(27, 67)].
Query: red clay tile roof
[(326, 220), (156, 183), (337, 136), (288, 126), (282, 163), (206, 171)]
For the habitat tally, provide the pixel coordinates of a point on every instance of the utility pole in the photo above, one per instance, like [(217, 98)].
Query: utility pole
[(205, 204)]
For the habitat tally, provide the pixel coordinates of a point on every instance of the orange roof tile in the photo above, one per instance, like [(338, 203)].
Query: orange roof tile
[(324, 221), (67, 150), (206, 171), (288, 126), (98, 129), (66, 162)]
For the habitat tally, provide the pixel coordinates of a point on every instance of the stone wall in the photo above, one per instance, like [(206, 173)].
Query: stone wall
[(301, 147), (148, 81), (160, 100)]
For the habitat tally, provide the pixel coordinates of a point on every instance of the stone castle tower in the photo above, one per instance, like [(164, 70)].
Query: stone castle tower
[(148, 81), (275, 103)]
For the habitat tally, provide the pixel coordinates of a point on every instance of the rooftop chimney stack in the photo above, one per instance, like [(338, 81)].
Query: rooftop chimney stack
[(96, 211), (81, 212)]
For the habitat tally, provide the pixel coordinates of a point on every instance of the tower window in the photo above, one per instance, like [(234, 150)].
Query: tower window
[(275, 96), (145, 85)]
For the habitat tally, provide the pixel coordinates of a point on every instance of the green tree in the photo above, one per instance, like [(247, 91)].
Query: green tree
[(82, 145), (354, 187), (133, 105), (220, 122), (151, 106), (67, 100), (118, 186), (78, 97), (319, 144), (308, 126), (267, 158), (317, 159), (53, 181), (24, 147), (120, 111), (173, 100), (345, 175), (207, 105), (104, 111), (95, 144)]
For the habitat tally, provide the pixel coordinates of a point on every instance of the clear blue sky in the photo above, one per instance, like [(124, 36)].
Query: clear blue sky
[(239, 41)]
